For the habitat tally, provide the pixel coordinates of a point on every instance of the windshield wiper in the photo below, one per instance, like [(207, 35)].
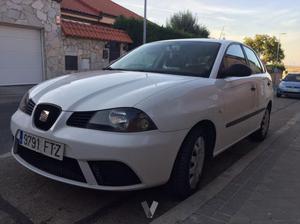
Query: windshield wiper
[(114, 69), (108, 68), (154, 71), (122, 69)]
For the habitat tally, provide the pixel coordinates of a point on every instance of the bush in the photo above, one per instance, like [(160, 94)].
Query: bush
[(155, 32), (273, 67)]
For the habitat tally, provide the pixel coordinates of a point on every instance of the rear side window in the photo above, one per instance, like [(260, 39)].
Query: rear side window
[(235, 51), (234, 55), (255, 65)]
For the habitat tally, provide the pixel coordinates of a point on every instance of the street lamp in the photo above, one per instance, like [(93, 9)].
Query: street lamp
[(278, 46), (145, 23)]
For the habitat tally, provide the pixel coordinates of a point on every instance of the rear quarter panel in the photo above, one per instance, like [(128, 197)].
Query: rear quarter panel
[(265, 90)]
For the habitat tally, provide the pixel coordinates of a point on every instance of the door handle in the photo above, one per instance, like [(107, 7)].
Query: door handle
[(253, 88)]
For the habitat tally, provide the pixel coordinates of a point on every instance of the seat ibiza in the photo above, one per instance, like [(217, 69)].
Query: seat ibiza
[(152, 117)]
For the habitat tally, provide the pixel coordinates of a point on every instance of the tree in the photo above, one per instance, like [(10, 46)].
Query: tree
[(267, 47), (134, 28), (186, 22)]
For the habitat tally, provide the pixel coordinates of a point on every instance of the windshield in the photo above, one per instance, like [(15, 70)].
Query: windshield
[(292, 78), (191, 58)]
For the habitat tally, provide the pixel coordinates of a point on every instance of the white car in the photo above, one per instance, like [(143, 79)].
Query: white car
[(150, 118)]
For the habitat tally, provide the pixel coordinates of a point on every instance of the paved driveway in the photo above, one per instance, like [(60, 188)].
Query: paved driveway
[(29, 198)]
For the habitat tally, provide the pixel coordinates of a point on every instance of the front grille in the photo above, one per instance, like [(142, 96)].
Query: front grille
[(80, 119), (29, 107), (294, 87), (291, 93), (47, 122), (68, 168), (111, 173)]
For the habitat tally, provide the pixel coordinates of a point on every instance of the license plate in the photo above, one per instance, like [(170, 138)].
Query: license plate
[(41, 145)]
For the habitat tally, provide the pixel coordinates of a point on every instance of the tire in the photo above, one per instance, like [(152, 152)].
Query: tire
[(278, 94), (262, 132), (189, 164)]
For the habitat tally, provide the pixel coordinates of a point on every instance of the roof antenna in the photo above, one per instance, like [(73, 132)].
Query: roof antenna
[(222, 34)]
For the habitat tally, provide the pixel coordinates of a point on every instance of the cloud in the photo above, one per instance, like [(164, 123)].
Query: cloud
[(216, 9), (291, 22), (192, 5), (224, 18)]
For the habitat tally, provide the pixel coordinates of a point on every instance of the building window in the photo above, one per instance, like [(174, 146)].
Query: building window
[(71, 63)]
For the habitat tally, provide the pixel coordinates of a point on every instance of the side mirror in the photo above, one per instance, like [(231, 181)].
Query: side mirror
[(238, 70)]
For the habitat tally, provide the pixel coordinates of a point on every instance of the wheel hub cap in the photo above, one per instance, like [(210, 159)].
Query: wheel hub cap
[(197, 161), (265, 123)]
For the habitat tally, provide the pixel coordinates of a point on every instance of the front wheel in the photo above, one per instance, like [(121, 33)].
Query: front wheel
[(189, 164), (262, 133)]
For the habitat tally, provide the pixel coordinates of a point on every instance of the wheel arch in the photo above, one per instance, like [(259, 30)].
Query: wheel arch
[(270, 105), (211, 134)]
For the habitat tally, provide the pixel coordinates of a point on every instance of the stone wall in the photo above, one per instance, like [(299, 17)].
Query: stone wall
[(39, 14), (86, 49)]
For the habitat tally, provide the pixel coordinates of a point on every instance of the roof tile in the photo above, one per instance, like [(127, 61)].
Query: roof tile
[(82, 30), (95, 7)]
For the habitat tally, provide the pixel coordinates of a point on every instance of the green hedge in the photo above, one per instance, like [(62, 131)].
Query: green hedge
[(155, 32), (272, 68)]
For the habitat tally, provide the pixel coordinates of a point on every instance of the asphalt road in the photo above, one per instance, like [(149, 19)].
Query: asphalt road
[(9, 101), (29, 198)]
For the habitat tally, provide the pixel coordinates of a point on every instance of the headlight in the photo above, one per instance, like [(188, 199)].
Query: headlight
[(282, 85), (24, 102), (121, 120)]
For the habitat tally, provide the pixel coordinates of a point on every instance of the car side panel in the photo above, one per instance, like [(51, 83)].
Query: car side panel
[(237, 108), (264, 91), (184, 107)]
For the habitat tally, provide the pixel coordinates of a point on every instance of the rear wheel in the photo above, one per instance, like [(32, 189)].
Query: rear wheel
[(278, 94), (262, 133), (189, 164)]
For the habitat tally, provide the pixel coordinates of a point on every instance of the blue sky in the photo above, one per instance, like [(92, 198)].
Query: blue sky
[(239, 18)]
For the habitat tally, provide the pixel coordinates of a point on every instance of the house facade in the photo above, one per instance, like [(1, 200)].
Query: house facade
[(42, 39)]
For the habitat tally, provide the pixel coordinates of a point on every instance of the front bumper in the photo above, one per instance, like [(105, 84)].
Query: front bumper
[(289, 91), (150, 155)]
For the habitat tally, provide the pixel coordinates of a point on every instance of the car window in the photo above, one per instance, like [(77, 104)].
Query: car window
[(235, 51), (292, 78), (191, 58), (255, 65), (234, 55)]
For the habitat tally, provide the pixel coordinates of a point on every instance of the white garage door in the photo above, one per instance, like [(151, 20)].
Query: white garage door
[(20, 56)]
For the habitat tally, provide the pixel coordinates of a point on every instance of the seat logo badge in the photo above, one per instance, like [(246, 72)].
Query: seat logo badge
[(149, 211), (44, 116)]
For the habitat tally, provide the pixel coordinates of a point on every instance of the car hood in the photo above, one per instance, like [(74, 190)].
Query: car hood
[(103, 89)]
